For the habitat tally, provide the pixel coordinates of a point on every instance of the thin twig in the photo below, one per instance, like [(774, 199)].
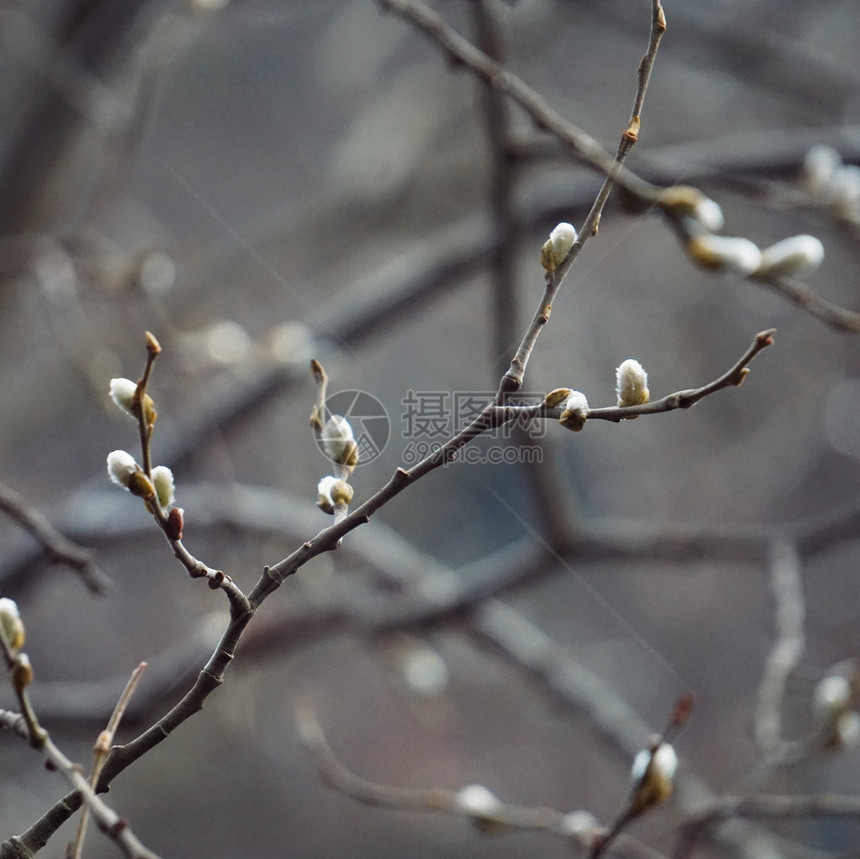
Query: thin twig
[(102, 748), (684, 399), (762, 807), (491, 417), (787, 587), (58, 547), (108, 821), (463, 52), (801, 295), (27, 725), (487, 814)]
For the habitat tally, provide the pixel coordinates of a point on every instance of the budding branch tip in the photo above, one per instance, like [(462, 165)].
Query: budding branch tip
[(152, 344), (317, 371)]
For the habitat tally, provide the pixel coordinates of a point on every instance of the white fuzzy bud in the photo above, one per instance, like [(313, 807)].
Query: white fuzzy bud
[(324, 501), (653, 776), (121, 466), (162, 480), (792, 256), (575, 411), (848, 729), (476, 800), (845, 193), (122, 392), (338, 442), (555, 250), (709, 214), (832, 696), (11, 624), (663, 760), (9, 607), (631, 383), (725, 253), (686, 202), (332, 491), (819, 166), (581, 825)]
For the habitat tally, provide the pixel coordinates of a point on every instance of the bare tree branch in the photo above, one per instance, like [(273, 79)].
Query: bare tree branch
[(473, 803), (59, 548)]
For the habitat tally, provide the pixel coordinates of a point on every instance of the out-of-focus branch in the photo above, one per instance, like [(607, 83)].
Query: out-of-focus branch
[(762, 807), (800, 294), (58, 547), (474, 802), (463, 52), (787, 587)]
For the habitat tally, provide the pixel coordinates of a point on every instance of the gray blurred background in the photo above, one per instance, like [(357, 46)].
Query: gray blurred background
[(253, 183)]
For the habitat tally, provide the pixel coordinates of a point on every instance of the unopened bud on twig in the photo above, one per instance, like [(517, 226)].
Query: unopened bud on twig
[(332, 491), (121, 466), (559, 395), (556, 248), (793, 256), (22, 673), (575, 411), (480, 805), (725, 253), (162, 480), (819, 167), (11, 625), (581, 825), (832, 696), (834, 703), (684, 201), (846, 731), (338, 442), (653, 775), (125, 472), (123, 391), (175, 524), (631, 384)]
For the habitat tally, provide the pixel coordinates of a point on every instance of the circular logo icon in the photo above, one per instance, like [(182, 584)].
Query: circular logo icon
[(367, 417)]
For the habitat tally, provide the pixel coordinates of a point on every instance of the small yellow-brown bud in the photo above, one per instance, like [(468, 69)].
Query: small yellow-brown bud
[(22, 673), (341, 492), (141, 486), (559, 395), (152, 344), (685, 201), (575, 411)]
